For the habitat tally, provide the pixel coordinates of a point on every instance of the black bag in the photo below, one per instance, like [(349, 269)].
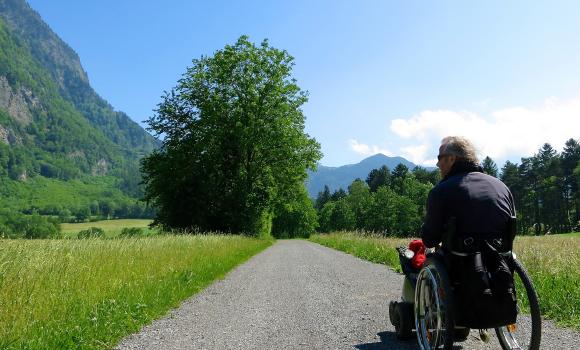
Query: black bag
[(485, 295)]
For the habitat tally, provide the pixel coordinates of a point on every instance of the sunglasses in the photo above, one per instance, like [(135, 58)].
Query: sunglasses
[(440, 156)]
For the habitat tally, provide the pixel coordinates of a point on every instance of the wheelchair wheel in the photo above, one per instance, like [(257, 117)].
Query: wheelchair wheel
[(524, 336), (433, 307), (401, 314)]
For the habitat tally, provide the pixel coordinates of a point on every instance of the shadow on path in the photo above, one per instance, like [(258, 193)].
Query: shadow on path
[(389, 341)]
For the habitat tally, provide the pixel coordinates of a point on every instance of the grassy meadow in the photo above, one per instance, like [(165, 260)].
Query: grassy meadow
[(552, 262), (112, 228), (88, 294)]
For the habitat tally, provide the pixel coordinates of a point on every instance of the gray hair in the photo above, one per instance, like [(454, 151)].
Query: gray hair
[(460, 147)]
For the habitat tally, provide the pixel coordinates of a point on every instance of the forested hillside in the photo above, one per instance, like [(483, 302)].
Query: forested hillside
[(54, 126)]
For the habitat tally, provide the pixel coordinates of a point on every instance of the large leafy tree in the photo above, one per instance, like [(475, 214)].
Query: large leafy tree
[(233, 142)]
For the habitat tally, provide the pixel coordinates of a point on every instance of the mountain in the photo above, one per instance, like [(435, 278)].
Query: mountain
[(343, 176), (53, 125)]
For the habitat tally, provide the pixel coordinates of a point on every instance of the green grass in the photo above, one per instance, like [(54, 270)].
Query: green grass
[(375, 249), (572, 234), (112, 228), (552, 262), (88, 294)]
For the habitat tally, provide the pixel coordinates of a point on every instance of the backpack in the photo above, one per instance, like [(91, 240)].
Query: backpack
[(485, 295), (482, 276)]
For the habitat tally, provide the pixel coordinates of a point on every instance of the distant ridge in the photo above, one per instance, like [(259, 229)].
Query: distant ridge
[(343, 176)]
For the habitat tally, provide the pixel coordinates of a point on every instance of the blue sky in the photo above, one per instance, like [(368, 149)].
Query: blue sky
[(383, 76)]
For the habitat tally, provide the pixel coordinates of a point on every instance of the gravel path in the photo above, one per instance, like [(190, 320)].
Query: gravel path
[(299, 295)]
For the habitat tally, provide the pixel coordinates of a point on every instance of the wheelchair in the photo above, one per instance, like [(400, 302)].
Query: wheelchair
[(429, 307)]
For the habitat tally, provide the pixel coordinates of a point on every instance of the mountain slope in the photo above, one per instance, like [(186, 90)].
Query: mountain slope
[(63, 65), (343, 176), (52, 122), (53, 125), (40, 127)]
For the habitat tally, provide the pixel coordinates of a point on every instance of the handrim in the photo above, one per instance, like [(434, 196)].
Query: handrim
[(428, 312)]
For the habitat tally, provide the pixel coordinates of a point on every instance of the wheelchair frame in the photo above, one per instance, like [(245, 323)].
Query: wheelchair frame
[(433, 310)]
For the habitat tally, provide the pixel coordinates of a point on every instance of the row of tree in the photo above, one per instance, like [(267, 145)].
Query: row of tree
[(18, 225), (545, 189), (388, 202), (96, 210)]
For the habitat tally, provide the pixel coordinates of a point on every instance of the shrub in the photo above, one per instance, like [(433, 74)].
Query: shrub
[(39, 227), (91, 232), (131, 232), (17, 225)]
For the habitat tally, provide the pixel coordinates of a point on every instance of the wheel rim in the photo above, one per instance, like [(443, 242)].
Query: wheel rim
[(526, 335), (509, 338), (429, 315)]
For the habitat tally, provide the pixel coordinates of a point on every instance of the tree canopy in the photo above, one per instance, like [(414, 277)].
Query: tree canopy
[(233, 148), (388, 202), (545, 189), (489, 166)]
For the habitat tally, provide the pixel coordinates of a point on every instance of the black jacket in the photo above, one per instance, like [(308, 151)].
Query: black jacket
[(481, 204)]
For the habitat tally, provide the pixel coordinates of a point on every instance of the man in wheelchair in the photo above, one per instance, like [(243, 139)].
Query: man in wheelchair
[(470, 223), (471, 215)]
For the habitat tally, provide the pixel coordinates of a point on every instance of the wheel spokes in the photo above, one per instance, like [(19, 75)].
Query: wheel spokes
[(429, 312)]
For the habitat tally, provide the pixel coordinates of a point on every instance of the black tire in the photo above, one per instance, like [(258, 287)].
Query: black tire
[(461, 334), (392, 317), (404, 314), (504, 335), (434, 332)]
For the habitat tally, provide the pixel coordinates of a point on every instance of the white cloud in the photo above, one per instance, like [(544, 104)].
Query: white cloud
[(367, 150), (516, 131), (415, 154)]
